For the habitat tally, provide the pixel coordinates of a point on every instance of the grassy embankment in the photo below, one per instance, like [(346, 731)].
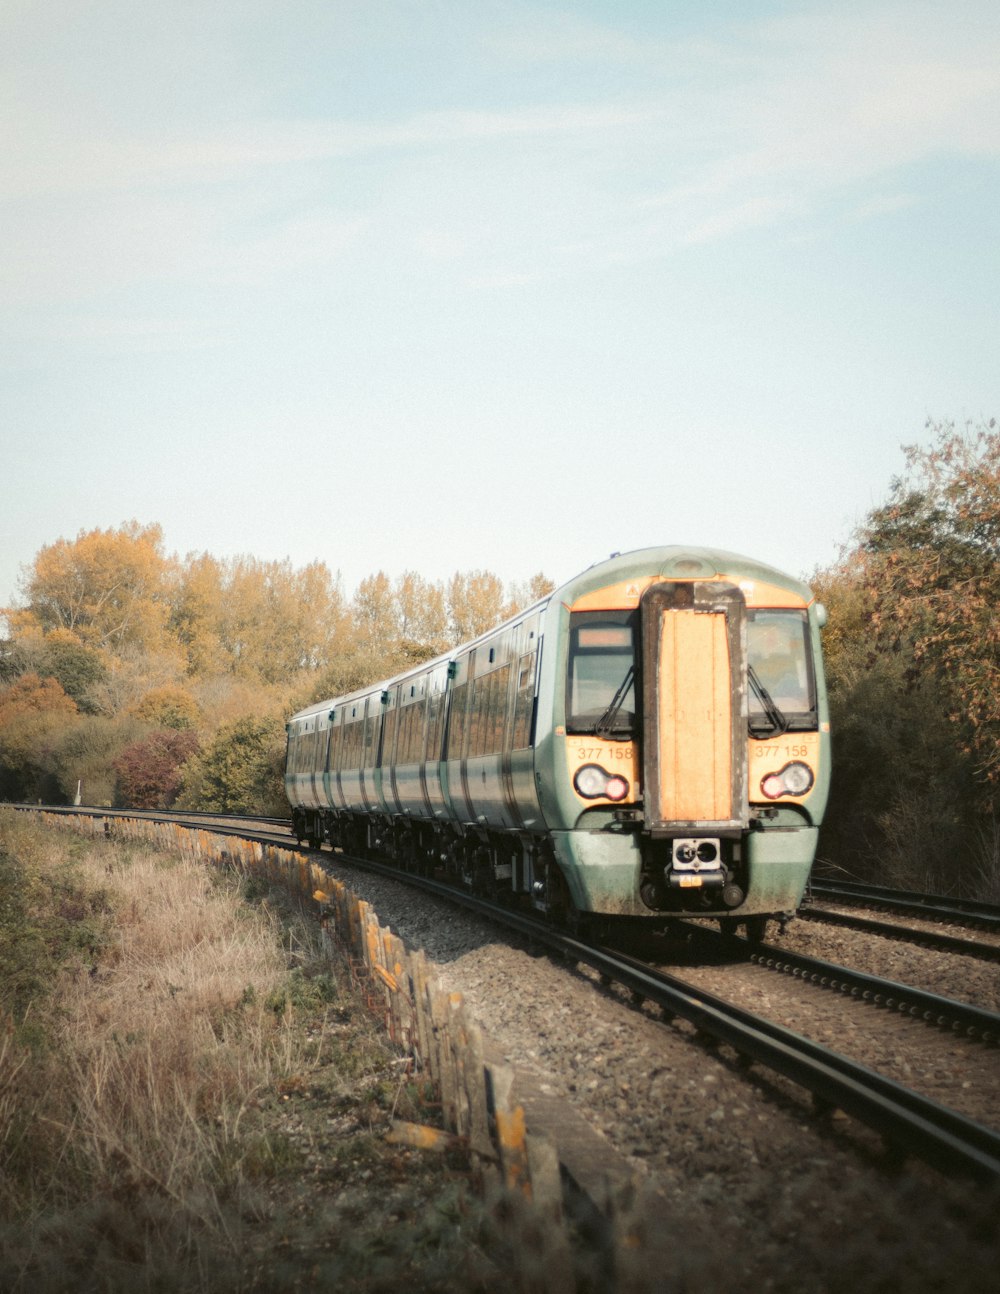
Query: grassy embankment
[(190, 1096)]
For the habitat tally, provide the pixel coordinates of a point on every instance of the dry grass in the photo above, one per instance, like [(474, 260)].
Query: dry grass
[(183, 1082)]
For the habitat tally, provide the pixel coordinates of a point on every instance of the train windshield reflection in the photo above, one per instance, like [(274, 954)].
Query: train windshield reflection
[(601, 686), (779, 655)]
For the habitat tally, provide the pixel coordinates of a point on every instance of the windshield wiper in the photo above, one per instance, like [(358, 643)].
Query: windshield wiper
[(602, 728), (778, 722)]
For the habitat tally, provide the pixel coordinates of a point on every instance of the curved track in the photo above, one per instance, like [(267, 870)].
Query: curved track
[(911, 1123)]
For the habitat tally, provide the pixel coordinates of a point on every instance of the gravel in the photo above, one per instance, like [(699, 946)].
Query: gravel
[(735, 1178)]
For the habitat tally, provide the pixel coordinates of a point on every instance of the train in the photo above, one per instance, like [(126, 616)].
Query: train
[(650, 740)]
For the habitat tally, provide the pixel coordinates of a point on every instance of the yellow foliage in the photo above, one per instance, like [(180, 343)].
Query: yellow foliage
[(168, 707), (31, 695), (106, 588)]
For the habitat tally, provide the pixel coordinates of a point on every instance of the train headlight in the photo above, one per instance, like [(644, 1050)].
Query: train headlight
[(793, 779), (595, 783)]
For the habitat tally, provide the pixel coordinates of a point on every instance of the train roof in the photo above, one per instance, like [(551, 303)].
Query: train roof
[(678, 561), (670, 561)]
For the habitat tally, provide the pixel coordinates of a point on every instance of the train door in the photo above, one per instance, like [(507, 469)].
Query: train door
[(694, 710)]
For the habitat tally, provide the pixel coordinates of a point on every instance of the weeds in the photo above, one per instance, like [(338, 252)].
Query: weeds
[(190, 1099)]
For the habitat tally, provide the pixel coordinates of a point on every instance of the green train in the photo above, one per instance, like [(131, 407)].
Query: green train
[(650, 739)]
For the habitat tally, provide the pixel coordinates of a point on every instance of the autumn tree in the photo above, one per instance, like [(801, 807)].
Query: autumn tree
[(196, 613), (375, 615), (524, 594), (34, 713), (421, 614), (913, 658), (254, 619), (239, 771), (31, 694), (169, 706), (149, 771), (59, 655), (475, 603), (931, 561), (108, 588)]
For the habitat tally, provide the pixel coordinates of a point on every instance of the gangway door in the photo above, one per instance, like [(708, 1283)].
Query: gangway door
[(694, 709)]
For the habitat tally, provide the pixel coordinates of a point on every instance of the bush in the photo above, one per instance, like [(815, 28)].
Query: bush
[(149, 771), (240, 771)]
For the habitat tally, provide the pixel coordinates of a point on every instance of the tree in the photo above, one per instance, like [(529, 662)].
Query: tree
[(931, 563), (196, 614), (259, 620), (421, 616), (149, 771), (169, 706), (34, 714), (79, 669), (58, 655), (240, 771), (375, 615), (107, 587), (475, 603), (913, 663), (31, 694), (521, 595)]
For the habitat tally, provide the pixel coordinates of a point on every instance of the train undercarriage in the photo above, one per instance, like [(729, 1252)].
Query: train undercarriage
[(522, 869)]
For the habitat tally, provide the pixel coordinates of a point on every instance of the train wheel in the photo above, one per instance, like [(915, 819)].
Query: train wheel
[(756, 928), (407, 853), (559, 902), (485, 882)]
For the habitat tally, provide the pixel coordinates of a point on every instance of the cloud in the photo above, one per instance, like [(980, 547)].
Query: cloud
[(679, 142)]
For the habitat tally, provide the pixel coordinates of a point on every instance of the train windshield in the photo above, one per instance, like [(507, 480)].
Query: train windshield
[(600, 693), (779, 655)]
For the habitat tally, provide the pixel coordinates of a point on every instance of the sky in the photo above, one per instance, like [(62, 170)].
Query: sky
[(466, 284)]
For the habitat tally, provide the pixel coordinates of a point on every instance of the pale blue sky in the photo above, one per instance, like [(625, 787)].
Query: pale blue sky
[(446, 285)]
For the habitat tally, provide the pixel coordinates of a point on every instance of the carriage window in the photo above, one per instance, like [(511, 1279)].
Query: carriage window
[(778, 653), (456, 721), (525, 704), (371, 736), (334, 749), (601, 682), (435, 714)]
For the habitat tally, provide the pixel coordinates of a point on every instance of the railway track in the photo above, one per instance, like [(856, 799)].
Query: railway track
[(898, 905), (960, 1018), (934, 906), (912, 1124)]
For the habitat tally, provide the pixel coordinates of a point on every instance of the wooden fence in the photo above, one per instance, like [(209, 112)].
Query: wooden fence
[(431, 1026)]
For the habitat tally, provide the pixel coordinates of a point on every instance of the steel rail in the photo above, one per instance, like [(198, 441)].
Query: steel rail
[(939, 939), (180, 816), (974, 1021), (933, 905), (912, 1124)]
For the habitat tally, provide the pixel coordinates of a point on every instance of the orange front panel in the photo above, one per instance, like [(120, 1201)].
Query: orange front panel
[(694, 720), (771, 754)]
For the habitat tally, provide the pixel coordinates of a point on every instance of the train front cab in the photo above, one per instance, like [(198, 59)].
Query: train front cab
[(699, 782)]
